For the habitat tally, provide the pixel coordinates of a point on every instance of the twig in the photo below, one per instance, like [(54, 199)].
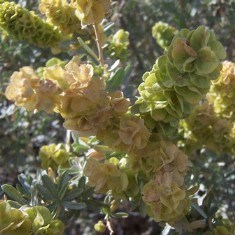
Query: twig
[(109, 226), (98, 41)]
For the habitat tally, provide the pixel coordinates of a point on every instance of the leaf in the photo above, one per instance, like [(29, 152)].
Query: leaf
[(13, 193), (74, 193), (120, 215), (87, 49), (199, 210), (82, 182), (49, 185), (63, 185), (116, 79), (44, 192), (74, 205)]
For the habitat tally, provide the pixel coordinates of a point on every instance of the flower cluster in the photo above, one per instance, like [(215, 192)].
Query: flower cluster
[(212, 123), (222, 94), (204, 128), (26, 25), (181, 77), (128, 133), (163, 33), (105, 176), (166, 200), (117, 45), (91, 11), (28, 90), (61, 14), (28, 220), (54, 156), (163, 166)]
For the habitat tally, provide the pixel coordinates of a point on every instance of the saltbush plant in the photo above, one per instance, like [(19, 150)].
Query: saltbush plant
[(121, 154)]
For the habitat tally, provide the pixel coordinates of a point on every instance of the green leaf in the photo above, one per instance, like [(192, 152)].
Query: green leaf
[(82, 182), (13, 193), (120, 215), (45, 193), (49, 185), (74, 193), (63, 185), (87, 49), (116, 79), (80, 148), (74, 205)]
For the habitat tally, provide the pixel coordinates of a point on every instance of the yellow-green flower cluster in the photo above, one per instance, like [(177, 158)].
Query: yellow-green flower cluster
[(204, 128), (61, 14), (74, 91), (117, 45), (163, 33), (28, 220), (222, 92), (128, 133), (105, 176), (166, 201), (28, 90), (163, 166), (54, 156), (181, 77), (26, 25), (159, 158), (223, 227), (91, 11)]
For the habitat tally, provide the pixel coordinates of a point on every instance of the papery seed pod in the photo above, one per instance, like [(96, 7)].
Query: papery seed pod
[(165, 201), (13, 221), (204, 128), (181, 77), (42, 221), (61, 14), (28, 90), (105, 176), (163, 33), (100, 227), (221, 94), (54, 156), (22, 24), (91, 11), (117, 45)]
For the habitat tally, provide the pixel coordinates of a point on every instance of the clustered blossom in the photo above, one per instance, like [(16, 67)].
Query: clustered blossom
[(26, 25), (28, 220), (91, 11), (165, 199), (163, 166), (128, 133), (222, 94), (54, 156), (211, 124), (105, 176), (204, 128), (180, 78), (28, 90), (80, 97), (61, 14), (163, 33), (118, 44)]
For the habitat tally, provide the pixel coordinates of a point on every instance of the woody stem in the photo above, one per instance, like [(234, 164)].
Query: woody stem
[(98, 41)]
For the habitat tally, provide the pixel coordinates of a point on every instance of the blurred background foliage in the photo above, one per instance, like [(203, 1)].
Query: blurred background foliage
[(23, 133)]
